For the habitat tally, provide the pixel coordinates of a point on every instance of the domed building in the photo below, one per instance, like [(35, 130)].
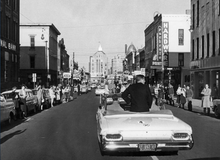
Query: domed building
[(130, 57)]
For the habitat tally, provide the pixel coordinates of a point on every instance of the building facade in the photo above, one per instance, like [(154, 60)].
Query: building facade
[(39, 54), (167, 49), (10, 45), (98, 65), (205, 42), (117, 64)]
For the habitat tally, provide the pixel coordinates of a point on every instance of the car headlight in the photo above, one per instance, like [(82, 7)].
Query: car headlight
[(113, 137), (180, 136)]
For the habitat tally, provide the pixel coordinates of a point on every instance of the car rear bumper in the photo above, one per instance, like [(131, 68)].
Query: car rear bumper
[(162, 146)]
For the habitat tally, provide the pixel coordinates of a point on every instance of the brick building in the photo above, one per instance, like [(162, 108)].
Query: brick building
[(9, 41)]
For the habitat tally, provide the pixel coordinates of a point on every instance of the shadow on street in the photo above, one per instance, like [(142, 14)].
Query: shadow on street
[(9, 136)]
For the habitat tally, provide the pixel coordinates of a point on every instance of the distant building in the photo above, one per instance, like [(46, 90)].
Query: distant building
[(205, 42), (39, 53), (130, 59), (117, 64), (98, 65), (10, 43), (167, 39)]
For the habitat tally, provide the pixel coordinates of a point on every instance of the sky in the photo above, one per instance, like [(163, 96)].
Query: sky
[(84, 24)]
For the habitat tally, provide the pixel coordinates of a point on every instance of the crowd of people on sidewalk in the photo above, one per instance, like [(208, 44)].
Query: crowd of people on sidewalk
[(54, 94)]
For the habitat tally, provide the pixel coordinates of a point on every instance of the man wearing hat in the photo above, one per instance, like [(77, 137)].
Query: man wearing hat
[(138, 95)]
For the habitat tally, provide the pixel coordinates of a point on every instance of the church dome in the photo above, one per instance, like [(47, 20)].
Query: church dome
[(131, 48)]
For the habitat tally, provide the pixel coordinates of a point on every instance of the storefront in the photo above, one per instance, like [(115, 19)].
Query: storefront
[(205, 71)]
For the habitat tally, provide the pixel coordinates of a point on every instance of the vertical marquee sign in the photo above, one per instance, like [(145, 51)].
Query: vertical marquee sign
[(165, 43)]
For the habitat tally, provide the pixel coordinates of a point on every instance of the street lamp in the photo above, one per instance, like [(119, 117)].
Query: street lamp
[(46, 58)]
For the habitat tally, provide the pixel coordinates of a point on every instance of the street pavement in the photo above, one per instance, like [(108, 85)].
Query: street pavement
[(68, 132)]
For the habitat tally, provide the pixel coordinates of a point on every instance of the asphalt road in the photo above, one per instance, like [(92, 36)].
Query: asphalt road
[(68, 132)]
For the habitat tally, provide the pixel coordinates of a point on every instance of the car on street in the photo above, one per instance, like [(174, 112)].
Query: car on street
[(154, 131), (7, 109), (216, 107), (100, 90), (93, 85), (31, 100), (84, 89)]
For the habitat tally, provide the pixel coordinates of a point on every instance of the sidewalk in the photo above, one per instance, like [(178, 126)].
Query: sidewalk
[(196, 103)]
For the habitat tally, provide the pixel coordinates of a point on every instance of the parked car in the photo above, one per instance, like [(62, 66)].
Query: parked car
[(216, 107), (154, 131), (7, 109), (31, 100)]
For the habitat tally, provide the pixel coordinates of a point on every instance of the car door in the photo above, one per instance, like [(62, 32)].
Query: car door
[(3, 111)]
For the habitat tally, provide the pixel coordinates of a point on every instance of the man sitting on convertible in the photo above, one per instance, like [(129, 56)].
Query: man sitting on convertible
[(138, 95)]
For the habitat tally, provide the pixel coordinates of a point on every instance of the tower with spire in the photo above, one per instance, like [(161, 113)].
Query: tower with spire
[(98, 65)]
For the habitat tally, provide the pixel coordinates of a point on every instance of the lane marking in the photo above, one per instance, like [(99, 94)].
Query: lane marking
[(154, 158)]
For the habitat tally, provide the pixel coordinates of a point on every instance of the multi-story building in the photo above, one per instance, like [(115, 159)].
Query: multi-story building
[(39, 54), (167, 49), (98, 65), (117, 64), (10, 45), (205, 42)]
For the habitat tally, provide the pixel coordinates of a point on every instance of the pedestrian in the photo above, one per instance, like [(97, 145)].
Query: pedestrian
[(206, 102), (156, 93), (78, 89), (215, 91), (52, 95), (15, 100), (189, 96), (178, 93), (138, 95), (183, 97), (171, 94), (57, 93), (40, 97), (22, 101), (63, 94)]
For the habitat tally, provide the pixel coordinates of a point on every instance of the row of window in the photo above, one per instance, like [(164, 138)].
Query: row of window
[(205, 44), (13, 3), (196, 9)]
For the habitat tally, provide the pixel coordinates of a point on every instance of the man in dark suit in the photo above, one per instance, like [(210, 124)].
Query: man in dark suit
[(138, 95)]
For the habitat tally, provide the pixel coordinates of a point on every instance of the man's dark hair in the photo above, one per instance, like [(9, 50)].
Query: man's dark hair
[(139, 77)]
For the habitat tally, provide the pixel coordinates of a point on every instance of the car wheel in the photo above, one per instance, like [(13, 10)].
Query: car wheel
[(216, 112)]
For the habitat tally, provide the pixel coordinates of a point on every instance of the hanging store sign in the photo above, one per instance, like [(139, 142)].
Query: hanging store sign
[(66, 75), (157, 56), (7, 45), (165, 42)]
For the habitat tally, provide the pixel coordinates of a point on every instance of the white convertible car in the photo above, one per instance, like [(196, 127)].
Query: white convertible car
[(155, 131)]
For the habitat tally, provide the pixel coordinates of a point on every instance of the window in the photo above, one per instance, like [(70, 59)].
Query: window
[(193, 18), (7, 2), (32, 38), (32, 62), (197, 23), (181, 59), (12, 57), (219, 41), (15, 7), (197, 48), (181, 36), (7, 27), (193, 49), (208, 45), (203, 46), (213, 43)]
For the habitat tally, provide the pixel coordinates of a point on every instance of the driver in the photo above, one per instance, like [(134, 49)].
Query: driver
[(138, 95)]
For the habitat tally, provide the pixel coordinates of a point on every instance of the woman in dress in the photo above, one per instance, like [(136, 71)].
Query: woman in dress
[(206, 103)]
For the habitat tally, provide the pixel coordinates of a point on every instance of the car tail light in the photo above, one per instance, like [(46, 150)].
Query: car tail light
[(113, 137), (180, 135)]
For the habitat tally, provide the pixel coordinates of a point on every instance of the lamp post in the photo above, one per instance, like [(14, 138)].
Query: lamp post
[(46, 58)]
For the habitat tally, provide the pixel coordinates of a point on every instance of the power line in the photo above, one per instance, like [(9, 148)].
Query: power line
[(105, 25), (26, 18)]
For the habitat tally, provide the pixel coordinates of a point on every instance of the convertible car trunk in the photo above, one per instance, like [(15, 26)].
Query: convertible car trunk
[(150, 126)]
